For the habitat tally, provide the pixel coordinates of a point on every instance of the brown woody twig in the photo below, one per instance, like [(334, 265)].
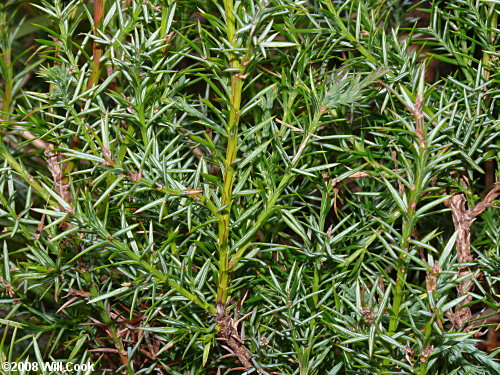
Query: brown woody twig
[(463, 219)]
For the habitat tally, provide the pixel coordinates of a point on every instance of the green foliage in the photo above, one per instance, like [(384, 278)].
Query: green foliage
[(165, 161)]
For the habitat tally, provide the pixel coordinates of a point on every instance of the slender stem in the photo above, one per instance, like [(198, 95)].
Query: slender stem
[(408, 225), (97, 48), (7, 93), (231, 151), (402, 263), (427, 337), (6, 55), (413, 196)]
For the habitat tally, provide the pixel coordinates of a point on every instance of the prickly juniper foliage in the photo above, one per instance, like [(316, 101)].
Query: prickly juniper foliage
[(275, 187)]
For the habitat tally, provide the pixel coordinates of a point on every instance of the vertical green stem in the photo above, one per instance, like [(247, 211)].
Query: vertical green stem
[(6, 68), (231, 151), (405, 246), (427, 337), (7, 92), (413, 196), (402, 263)]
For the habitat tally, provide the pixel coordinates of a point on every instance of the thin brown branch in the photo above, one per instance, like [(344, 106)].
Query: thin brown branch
[(295, 129), (97, 49), (228, 332), (493, 194), (66, 304), (57, 168), (463, 219)]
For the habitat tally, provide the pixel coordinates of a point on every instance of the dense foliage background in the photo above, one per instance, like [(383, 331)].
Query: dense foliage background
[(280, 187)]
